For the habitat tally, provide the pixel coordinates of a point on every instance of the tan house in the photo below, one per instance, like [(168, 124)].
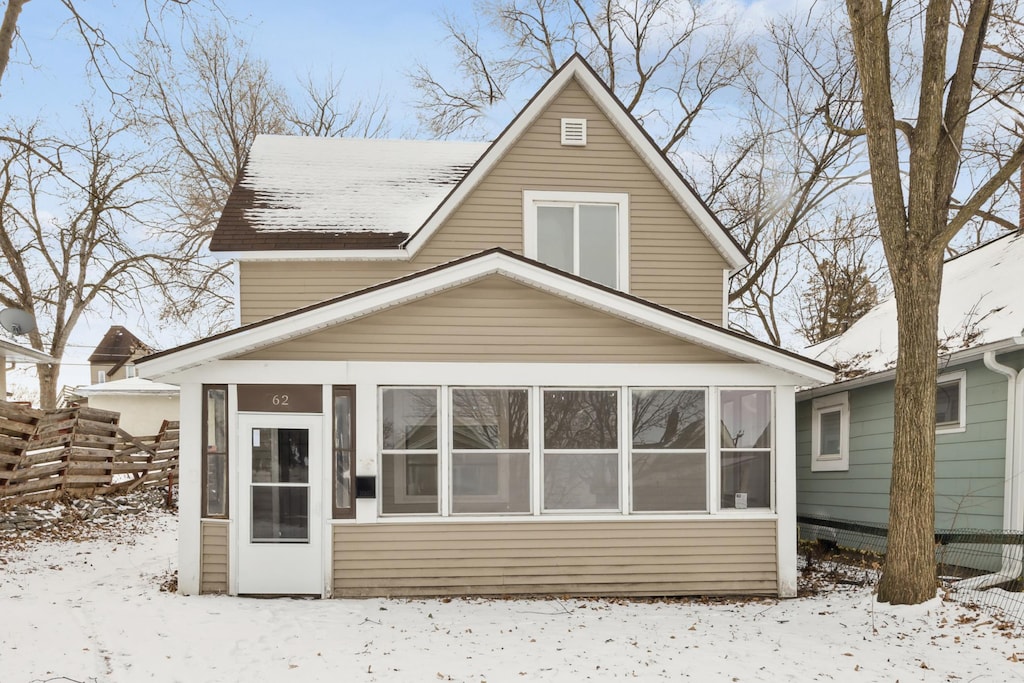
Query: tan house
[(115, 355), (484, 369)]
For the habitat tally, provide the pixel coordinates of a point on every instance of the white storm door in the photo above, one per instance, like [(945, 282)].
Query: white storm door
[(280, 509)]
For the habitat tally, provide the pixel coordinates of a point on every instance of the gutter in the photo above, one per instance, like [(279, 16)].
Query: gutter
[(1013, 505)]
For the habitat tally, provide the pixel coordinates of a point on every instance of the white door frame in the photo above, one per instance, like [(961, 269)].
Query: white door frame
[(287, 568)]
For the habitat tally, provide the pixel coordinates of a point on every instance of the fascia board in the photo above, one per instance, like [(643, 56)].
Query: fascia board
[(468, 271), (318, 255), (22, 354), (626, 127)]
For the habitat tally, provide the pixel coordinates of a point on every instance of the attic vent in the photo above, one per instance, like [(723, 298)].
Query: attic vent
[(574, 132)]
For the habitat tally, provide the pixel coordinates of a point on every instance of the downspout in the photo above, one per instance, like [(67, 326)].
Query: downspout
[(1013, 506)]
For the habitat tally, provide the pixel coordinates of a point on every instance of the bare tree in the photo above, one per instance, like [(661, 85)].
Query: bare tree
[(322, 112), (846, 274), (89, 250), (916, 155)]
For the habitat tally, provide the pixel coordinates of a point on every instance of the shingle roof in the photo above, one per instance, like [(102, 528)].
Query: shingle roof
[(338, 193), (117, 346)]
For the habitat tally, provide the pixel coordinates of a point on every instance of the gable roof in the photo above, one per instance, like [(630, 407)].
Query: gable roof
[(981, 304), (117, 347), (422, 284), (241, 230)]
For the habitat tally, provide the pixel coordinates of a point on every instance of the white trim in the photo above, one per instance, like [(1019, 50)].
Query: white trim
[(577, 69), (784, 487), (961, 424), (725, 297), (533, 199), (236, 291), (190, 487), (261, 335), (831, 462)]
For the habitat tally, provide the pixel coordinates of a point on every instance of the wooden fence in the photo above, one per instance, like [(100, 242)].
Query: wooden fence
[(45, 454)]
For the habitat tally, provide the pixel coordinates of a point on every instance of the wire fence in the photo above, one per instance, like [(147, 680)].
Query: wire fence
[(976, 567)]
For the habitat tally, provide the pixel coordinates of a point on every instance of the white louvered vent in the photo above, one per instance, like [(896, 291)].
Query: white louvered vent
[(574, 132)]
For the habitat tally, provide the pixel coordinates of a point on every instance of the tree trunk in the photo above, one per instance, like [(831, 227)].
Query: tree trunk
[(909, 576), (47, 385)]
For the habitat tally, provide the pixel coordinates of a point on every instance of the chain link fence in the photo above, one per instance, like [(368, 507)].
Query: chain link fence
[(976, 567)]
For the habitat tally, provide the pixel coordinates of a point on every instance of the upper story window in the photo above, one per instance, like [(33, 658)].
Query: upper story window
[(585, 233), (101, 376), (950, 403), (129, 371)]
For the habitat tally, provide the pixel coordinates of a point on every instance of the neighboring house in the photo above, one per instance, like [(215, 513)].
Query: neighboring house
[(484, 369), (11, 354), (115, 355), (845, 429), (143, 404)]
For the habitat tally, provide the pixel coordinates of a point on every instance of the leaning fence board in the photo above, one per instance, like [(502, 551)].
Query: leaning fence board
[(78, 451)]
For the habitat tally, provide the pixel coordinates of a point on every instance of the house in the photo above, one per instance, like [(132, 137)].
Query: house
[(115, 355), (142, 403), (484, 369), (844, 429), (11, 354)]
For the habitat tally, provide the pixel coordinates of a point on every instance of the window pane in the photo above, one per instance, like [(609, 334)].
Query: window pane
[(409, 483), (280, 455), (487, 419), (216, 484), (343, 425), (217, 420), (746, 418), (490, 482), (829, 426), (669, 419), (599, 243), (581, 481), (554, 236), (746, 479), (280, 514), (581, 419), (667, 482), (947, 403), (409, 419)]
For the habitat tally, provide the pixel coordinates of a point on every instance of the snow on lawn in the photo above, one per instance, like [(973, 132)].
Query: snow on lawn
[(93, 611)]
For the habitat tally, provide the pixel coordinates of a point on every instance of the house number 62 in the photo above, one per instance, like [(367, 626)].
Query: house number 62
[(280, 399)]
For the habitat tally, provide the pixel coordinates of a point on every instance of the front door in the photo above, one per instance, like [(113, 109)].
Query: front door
[(280, 514)]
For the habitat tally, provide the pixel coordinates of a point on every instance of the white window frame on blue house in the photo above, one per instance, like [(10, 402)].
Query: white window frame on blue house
[(960, 424), (838, 461)]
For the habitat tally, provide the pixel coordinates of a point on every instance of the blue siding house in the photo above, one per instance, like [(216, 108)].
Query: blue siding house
[(845, 429)]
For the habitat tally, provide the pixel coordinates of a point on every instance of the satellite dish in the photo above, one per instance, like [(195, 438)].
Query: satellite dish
[(17, 321)]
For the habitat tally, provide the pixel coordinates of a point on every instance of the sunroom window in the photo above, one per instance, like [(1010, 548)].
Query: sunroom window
[(581, 233), (746, 448), (581, 450), (490, 450), (668, 461), (409, 450)]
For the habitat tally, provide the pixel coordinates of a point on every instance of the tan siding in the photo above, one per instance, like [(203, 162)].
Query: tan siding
[(622, 557), (213, 557), (493, 319), (672, 262)]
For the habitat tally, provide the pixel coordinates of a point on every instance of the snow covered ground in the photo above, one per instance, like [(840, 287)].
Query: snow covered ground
[(93, 611)]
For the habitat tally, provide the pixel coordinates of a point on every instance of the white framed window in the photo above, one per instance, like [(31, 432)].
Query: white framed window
[(830, 433), (747, 443), (581, 452), (584, 233), (951, 403), (409, 450), (668, 461), (101, 376), (129, 371), (490, 450)]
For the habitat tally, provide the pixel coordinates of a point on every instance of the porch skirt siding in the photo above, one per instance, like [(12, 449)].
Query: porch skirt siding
[(629, 557), (213, 557)]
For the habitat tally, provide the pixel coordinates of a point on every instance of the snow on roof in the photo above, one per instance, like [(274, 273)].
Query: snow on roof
[(981, 303), (14, 353), (388, 186), (132, 385)]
